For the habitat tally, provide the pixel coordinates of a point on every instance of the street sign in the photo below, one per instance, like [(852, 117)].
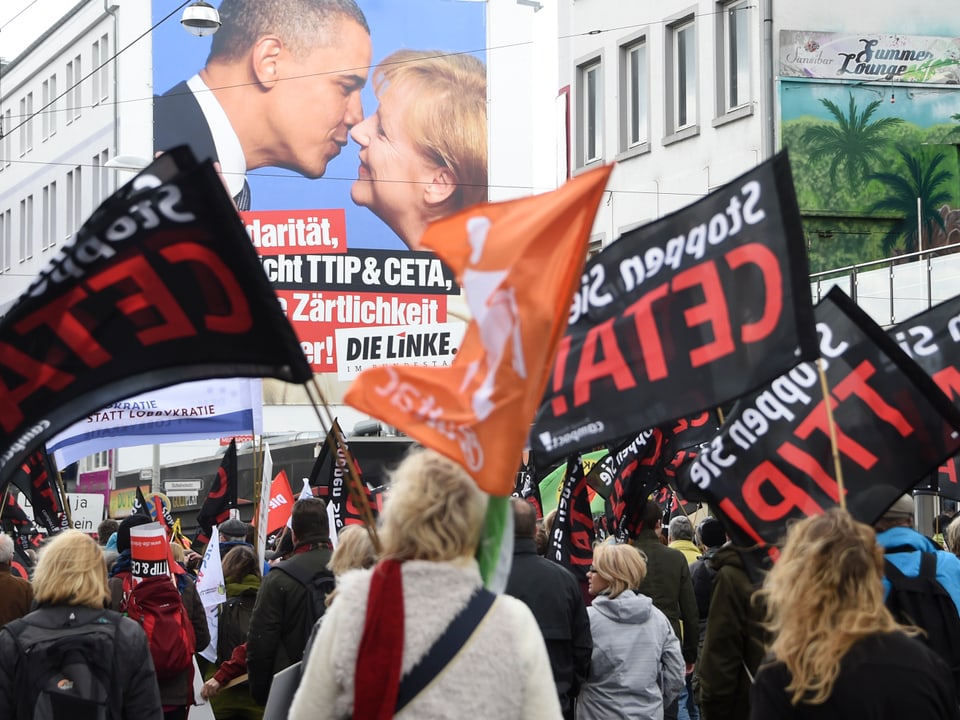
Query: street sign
[(173, 487)]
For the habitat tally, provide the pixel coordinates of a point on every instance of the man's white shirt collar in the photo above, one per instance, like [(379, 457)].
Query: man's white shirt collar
[(229, 152)]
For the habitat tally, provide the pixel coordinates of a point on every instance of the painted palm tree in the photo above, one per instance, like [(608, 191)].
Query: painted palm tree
[(924, 180), (852, 141)]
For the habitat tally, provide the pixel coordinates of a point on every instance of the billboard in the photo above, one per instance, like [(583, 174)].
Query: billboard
[(874, 155), (338, 145)]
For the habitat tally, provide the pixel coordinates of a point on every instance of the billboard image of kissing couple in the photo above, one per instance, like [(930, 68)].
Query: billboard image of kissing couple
[(341, 129)]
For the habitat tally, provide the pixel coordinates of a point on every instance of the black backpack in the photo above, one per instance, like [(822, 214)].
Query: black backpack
[(922, 601), (233, 623), (318, 586), (65, 672)]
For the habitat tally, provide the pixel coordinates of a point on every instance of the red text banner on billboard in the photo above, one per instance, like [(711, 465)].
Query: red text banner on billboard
[(932, 339), (159, 286), (682, 315), (772, 460)]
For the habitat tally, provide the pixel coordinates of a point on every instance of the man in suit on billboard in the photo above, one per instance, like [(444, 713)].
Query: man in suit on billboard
[(280, 88)]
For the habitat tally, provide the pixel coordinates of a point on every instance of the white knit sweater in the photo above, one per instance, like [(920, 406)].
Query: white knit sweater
[(502, 672)]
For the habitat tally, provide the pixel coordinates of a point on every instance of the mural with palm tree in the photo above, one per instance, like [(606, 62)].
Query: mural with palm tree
[(853, 141), (923, 179)]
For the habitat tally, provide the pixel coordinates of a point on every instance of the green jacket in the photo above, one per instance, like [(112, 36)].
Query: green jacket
[(235, 702), (668, 585), (733, 645)]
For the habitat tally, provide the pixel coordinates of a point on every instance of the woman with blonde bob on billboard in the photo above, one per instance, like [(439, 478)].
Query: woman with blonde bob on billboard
[(423, 153), (418, 636), (837, 651)]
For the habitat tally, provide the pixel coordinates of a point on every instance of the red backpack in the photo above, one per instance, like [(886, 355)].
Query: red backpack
[(155, 603)]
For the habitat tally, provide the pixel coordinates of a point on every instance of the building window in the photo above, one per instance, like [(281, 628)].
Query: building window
[(7, 135), (5, 230), (49, 218), (74, 197), (26, 228), (100, 68), (74, 76), (590, 111), (26, 124), (101, 178), (685, 75), (44, 101), (734, 39), (634, 95)]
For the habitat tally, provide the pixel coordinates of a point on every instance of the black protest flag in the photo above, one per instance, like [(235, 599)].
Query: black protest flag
[(161, 285), (682, 315), (572, 536), (140, 506), (342, 505), (527, 488), (222, 496), (932, 339), (773, 461), (35, 479), (634, 474)]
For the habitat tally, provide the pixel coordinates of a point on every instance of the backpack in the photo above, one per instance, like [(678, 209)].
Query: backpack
[(924, 602), (155, 603), (65, 672), (233, 623), (318, 586)]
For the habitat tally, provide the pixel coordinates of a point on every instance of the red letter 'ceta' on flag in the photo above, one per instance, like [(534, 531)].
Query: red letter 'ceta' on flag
[(519, 263), (281, 502)]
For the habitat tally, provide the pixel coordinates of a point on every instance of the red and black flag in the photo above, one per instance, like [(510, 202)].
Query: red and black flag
[(222, 496), (773, 459), (342, 506), (572, 536), (36, 480), (682, 315), (635, 472), (155, 509), (161, 285)]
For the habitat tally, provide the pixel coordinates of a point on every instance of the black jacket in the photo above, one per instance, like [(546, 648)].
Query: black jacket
[(553, 595), (134, 694), (276, 637), (883, 677)]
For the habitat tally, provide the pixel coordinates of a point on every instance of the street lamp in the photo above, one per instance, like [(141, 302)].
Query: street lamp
[(200, 19)]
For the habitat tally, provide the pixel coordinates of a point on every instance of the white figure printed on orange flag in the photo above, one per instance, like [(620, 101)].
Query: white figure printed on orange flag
[(494, 309)]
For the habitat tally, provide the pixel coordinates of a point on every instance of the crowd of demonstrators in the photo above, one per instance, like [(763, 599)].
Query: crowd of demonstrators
[(109, 668), (16, 594), (285, 606), (837, 652), (552, 593), (637, 667), (667, 583), (385, 621)]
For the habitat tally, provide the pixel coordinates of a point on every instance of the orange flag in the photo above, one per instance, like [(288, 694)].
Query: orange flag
[(281, 502), (519, 263)]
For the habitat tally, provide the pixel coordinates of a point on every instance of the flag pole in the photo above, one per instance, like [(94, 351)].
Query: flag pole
[(64, 499), (6, 495), (354, 484), (833, 433)]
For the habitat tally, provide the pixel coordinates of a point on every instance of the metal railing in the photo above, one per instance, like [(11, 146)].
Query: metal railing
[(892, 289)]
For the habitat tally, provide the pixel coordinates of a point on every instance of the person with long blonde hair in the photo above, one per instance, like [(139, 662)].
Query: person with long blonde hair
[(106, 664), (837, 652)]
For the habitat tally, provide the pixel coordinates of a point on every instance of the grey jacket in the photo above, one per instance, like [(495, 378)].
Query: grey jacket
[(637, 667)]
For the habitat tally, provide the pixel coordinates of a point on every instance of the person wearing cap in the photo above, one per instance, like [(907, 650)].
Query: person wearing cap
[(902, 545)]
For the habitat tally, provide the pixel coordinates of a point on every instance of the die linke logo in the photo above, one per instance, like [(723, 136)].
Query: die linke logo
[(278, 500), (405, 345)]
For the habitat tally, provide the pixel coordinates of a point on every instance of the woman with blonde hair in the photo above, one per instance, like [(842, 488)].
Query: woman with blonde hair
[(951, 536), (637, 667), (417, 636), (423, 153), (837, 651), (71, 654)]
